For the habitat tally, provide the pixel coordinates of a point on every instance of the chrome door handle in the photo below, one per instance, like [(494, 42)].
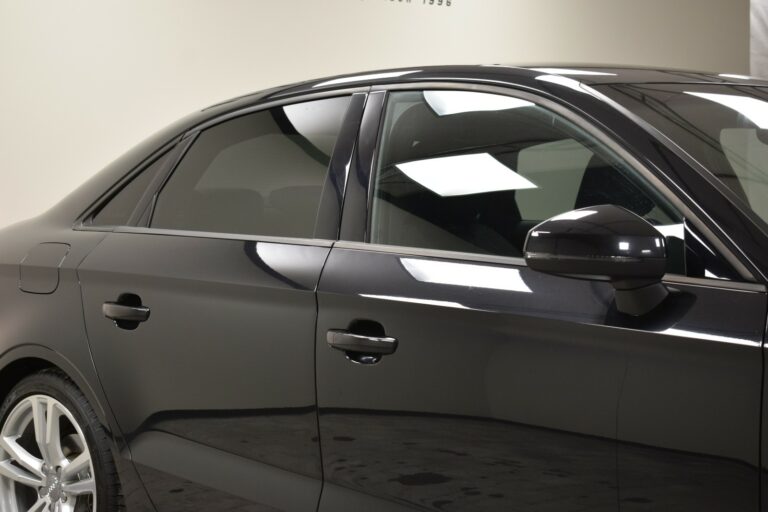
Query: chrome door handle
[(127, 312), (348, 342), (116, 311)]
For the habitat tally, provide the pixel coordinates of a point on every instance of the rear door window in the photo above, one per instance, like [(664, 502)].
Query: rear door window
[(258, 174)]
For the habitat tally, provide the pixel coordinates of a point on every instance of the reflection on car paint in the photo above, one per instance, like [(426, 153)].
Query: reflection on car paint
[(414, 300), (710, 337), (465, 274)]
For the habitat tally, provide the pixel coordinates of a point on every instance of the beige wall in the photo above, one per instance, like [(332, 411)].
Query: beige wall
[(81, 81), (759, 38)]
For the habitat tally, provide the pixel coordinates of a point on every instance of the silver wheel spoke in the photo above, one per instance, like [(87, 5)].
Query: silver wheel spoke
[(17, 474), (69, 506), (22, 456), (78, 464), (39, 506), (42, 423), (46, 422), (52, 433), (85, 486)]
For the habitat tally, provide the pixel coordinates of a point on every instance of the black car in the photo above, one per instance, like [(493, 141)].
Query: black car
[(451, 289)]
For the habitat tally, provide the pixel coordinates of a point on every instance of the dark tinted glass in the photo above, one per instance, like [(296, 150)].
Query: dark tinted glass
[(259, 174), (474, 172), (119, 209), (723, 127)]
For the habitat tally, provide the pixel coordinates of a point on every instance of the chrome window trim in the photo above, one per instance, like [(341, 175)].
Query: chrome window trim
[(97, 229), (513, 261), (317, 242), (431, 253), (569, 113), (723, 284)]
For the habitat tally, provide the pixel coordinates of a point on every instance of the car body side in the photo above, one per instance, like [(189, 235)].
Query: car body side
[(47, 329)]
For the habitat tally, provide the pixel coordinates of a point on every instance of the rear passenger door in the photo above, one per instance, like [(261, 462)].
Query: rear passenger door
[(206, 351), (459, 379)]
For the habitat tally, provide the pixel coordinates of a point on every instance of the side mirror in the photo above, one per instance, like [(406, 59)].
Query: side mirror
[(603, 242)]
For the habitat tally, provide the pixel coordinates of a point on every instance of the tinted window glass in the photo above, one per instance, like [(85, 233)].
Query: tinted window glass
[(473, 172), (119, 209), (724, 127), (259, 174)]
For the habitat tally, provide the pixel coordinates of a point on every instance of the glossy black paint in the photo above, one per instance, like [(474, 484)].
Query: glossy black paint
[(354, 225), (329, 215), (603, 241), (526, 391), (224, 362), (512, 391)]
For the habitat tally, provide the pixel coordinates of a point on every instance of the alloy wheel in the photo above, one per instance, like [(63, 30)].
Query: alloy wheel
[(45, 463)]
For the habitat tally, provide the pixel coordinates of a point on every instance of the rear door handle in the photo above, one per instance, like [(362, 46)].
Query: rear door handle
[(120, 312), (127, 312), (350, 343)]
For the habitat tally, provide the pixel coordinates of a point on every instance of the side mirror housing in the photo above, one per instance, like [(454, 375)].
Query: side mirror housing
[(604, 242)]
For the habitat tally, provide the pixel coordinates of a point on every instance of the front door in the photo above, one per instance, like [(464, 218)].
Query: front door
[(459, 379)]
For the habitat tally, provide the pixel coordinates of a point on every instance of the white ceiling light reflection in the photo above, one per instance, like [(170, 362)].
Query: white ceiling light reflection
[(739, 77), (564, 81), (465, 274), (463, 175), (573, 215), (310, 118), (413, 300), (446, 103), (563, 71), (672, 230), (360, 78), (710, 337), (752, 108)]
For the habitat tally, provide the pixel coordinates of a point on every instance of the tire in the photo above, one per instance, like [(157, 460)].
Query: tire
[(66, 468)]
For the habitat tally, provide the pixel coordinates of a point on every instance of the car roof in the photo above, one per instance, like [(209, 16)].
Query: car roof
[(501, 74)]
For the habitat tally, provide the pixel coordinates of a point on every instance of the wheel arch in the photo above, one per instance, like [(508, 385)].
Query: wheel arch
[(24, 360)]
